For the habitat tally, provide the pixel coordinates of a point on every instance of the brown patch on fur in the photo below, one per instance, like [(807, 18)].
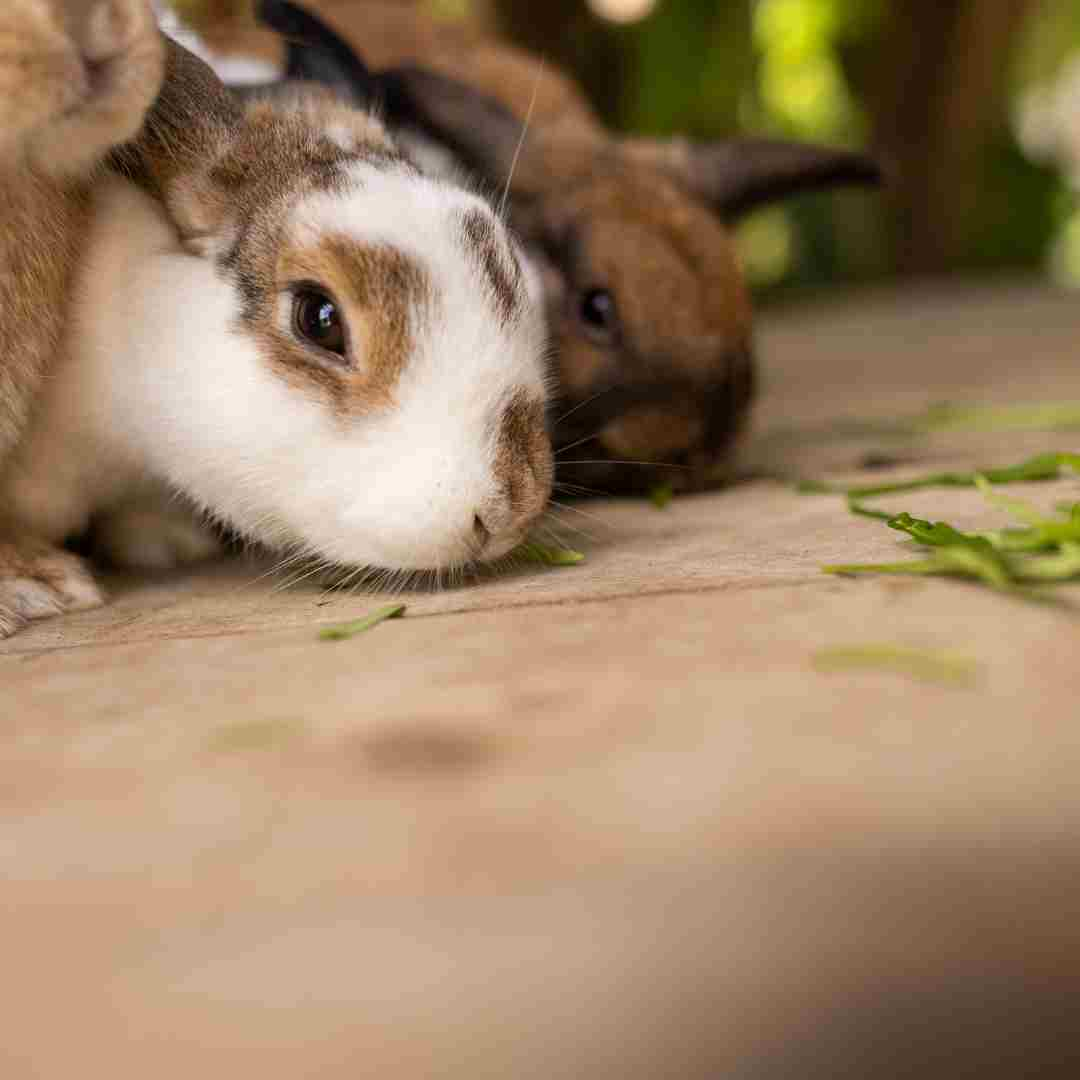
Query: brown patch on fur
[(496, 260), (524, 465), (229, 177), (381, 292)]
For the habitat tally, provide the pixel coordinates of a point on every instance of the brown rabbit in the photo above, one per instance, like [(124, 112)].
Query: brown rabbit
[(75, 80), (646, 301)]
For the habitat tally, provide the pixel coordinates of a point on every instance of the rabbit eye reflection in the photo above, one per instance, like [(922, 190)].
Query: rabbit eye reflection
[(599, 315), (318, 322)]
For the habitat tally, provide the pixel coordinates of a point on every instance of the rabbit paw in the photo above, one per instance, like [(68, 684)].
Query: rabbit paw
[(151, 536), (111, 28), (37, 581), (124, 58), (89, 75), (41, 76)]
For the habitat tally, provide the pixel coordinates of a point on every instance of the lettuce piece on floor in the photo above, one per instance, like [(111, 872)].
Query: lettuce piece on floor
[(936, 533), (362, 626), (255, 735), (1036, 469), (961, 560), (926, 665), (1021, 509), (548, 556), (661, 496), (1037, 416), (1062, 566)]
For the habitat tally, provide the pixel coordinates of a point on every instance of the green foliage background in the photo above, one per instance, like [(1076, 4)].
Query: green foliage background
[(805, 69)]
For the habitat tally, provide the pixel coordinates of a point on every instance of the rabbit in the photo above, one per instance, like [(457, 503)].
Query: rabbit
[(76, 78), (646, 303), (279, 324)]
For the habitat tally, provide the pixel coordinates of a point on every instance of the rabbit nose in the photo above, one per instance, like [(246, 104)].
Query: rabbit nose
[(509, 512)]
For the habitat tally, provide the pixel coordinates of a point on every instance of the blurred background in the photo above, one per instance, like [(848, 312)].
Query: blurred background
[(974, 106)]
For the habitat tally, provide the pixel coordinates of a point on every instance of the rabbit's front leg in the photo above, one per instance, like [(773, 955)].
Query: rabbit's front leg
[(153, 533), (38, 580)]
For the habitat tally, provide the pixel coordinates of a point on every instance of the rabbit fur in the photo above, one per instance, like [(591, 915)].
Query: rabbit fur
[(267, 315)]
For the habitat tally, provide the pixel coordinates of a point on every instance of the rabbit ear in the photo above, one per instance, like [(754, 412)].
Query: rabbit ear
[(737, 175), (315, 53), (482, 131), (192, 122)]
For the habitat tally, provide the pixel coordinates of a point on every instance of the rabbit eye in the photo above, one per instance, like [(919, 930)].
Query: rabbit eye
[(599, 315), (317, 321)]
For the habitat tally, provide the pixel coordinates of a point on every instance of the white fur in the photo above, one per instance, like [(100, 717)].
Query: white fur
[(160, 390), (436, 160)]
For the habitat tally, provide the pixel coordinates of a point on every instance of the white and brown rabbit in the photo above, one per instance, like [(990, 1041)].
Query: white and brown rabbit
[(646, 303), (275, 319)]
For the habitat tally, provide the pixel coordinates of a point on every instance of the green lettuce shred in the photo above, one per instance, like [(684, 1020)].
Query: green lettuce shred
[(361, 626)]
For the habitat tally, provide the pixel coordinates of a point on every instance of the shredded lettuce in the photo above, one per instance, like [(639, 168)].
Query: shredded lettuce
[(926, 665), (1042, 550), (548, 556), (361, 626)]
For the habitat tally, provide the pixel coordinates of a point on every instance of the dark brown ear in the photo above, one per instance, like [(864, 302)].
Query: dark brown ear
[(482, 131), (315, 53), (738, 175), (190, 125)]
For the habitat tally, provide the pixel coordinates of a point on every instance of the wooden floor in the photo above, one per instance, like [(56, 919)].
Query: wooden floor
[(607, 820)]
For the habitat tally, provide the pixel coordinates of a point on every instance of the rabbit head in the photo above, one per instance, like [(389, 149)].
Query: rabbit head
[(347, 357)]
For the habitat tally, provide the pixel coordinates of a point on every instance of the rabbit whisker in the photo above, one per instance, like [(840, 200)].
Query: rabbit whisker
[(584, 513), (577, 489), (582, 404), (548, 534), (640, 464), (521, 142), (562, 523), (318, 568), (574, 445)]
